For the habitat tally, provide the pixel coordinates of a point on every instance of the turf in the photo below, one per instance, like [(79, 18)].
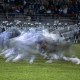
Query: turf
[(39, 70)]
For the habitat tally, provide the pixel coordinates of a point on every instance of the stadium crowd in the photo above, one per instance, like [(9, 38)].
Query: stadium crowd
[(53, 8)]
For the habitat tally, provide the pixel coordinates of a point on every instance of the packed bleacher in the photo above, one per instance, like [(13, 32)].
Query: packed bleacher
[(51, 8)]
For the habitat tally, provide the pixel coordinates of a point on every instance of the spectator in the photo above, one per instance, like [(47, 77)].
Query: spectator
[(37, 7), (65, 10), (21, 9), (3, 29), (61, 11), (1, 8), (42, 9)]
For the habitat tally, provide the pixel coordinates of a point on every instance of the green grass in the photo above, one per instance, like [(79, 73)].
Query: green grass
[(39, 70)]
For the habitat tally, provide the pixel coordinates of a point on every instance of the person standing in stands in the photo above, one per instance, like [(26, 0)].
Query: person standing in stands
[(3, 29)]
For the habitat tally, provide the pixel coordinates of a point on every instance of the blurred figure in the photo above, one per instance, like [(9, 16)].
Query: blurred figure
[(3, 29)]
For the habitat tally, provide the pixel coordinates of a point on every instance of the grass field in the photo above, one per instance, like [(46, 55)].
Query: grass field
[(39, 70)]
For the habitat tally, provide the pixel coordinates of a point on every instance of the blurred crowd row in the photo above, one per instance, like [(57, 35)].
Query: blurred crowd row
[(54, 8)]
